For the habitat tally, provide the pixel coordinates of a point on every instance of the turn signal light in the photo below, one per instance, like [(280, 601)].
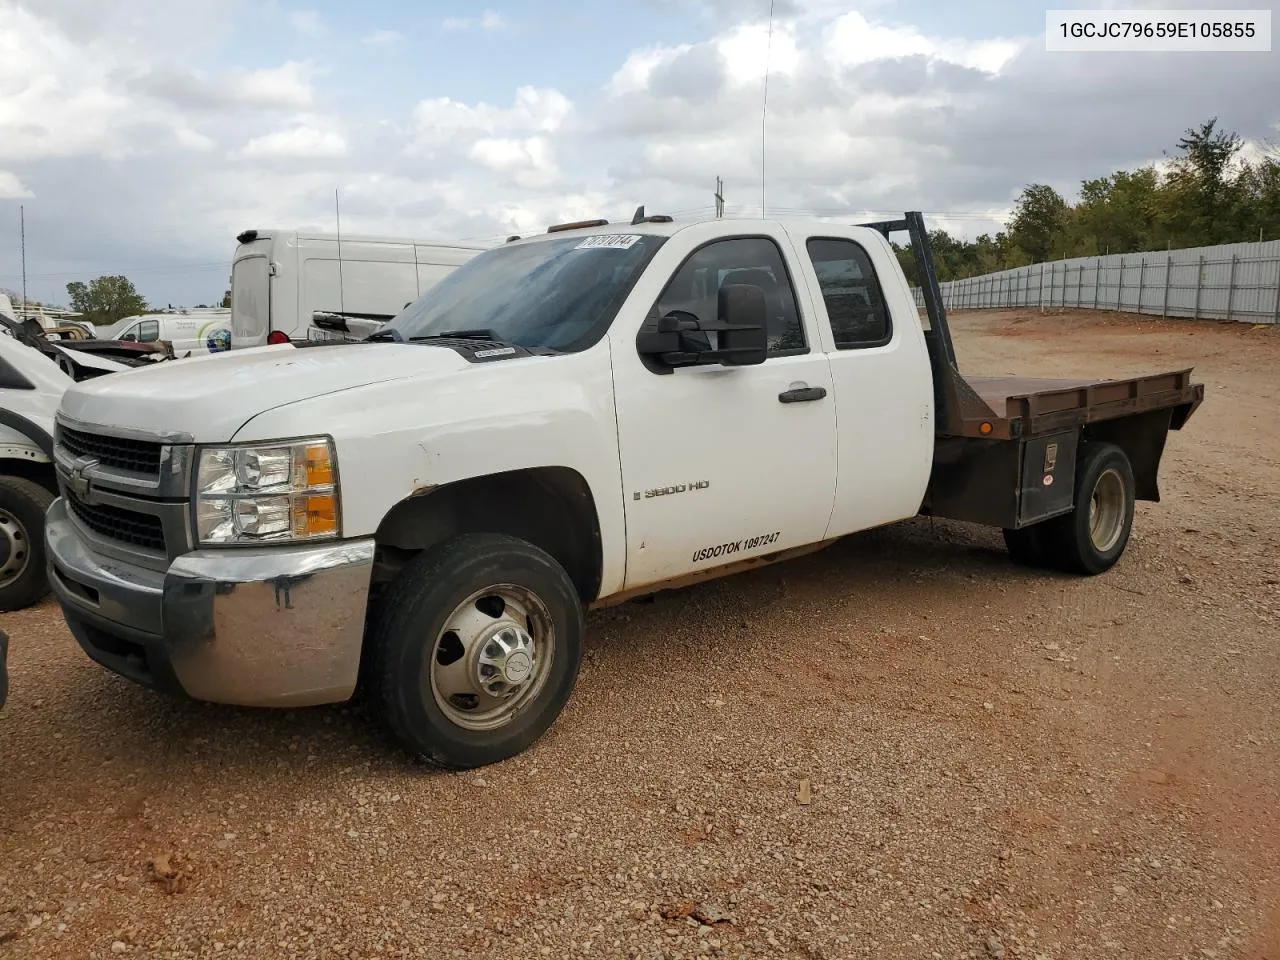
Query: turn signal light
[(319, 466), (277, 337), (318, 516)]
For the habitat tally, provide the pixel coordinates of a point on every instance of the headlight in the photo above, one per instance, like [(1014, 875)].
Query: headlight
[(277, 492)]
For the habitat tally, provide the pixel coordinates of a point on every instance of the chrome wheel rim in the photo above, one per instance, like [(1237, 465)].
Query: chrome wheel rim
[(492, 657), (15, 548), (1107, 510)]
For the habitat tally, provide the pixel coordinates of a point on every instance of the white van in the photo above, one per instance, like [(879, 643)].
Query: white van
[(281, 279), (190, 332)]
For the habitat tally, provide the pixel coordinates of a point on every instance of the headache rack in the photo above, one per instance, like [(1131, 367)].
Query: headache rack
[(959, 411)]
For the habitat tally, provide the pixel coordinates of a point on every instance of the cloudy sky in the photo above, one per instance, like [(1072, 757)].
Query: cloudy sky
[(142, 135)]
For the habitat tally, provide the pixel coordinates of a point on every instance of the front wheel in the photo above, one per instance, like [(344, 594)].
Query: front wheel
[(1090, 539), (23, 580), (475, 650)]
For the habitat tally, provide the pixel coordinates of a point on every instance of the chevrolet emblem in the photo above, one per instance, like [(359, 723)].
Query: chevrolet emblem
[(77, 482)]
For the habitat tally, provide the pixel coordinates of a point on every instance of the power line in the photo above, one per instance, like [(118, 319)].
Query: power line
[(173, 268)]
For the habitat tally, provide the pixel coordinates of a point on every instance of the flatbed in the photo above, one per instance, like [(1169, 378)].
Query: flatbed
[(1004, 442)]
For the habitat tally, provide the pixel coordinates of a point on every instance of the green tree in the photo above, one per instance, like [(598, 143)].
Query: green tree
[(106, 300), (226, 299), (1038, 221), (1116, 214), (1200, 197), (1258, 200)]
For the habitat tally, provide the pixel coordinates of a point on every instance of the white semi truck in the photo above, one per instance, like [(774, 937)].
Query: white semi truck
[(565, 421)]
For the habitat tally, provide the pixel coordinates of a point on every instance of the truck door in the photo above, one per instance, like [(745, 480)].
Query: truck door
[(722, 464), (250, 300), (883, 382)]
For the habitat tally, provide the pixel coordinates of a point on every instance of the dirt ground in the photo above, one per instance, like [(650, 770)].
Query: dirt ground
[(1001, 763)]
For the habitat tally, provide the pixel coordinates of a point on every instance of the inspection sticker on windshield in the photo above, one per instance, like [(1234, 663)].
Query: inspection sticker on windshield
[(608, 241)]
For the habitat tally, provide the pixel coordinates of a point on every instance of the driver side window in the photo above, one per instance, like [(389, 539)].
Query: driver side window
[(751, 260), (149, 331)]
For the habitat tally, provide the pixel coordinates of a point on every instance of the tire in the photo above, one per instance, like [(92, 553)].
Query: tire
[(1026, 545), (23, 504), (428, 683), (1090, 539)]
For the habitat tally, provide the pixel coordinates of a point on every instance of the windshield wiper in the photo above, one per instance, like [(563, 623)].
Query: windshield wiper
[(475, 334), (388, 335)]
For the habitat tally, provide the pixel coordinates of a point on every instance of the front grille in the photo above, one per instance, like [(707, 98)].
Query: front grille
[(127, 526), (140, 456)]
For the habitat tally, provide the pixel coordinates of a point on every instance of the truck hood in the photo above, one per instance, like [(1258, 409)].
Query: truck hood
[(207, 399)]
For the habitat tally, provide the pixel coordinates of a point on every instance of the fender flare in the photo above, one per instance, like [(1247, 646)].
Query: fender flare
[(33, 431)]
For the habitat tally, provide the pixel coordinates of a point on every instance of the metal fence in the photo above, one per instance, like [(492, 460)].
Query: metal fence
[(1235, 281)]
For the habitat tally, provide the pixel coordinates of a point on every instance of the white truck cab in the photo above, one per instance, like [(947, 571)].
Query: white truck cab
[(281, 278), (565, 421)]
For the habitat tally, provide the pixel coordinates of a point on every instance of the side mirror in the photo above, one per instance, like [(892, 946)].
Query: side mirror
[(679, 338), (743, 316), (129, 338), (673, 340)]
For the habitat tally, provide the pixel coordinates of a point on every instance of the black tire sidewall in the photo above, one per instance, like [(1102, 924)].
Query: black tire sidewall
[(27, 502), (427, 592), (1082, 555)]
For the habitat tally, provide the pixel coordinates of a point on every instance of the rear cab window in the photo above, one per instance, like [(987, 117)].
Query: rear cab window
[(851, 292)]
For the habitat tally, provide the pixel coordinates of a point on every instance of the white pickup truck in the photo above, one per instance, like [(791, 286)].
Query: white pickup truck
[(564, 422)]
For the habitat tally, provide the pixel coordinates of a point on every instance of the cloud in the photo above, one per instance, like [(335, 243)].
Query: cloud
[(853, 39), (534, 109), (489, 20), (148, 158), (301, 142), (285, 87), (307, 22), (11, 187)]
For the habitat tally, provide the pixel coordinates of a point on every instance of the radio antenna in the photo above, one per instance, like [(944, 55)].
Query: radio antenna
[(22, 227), (764, 112), (337, 213)]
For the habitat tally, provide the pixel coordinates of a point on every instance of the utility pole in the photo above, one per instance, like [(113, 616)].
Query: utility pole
[(719, 198)]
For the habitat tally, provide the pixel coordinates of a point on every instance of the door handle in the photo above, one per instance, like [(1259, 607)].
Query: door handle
[(801, 393)]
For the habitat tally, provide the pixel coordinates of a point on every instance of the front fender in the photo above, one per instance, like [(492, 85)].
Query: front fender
[(404, 437), (24, 439)]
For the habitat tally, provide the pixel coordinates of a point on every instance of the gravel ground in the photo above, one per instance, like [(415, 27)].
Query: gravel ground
[(997, 763)]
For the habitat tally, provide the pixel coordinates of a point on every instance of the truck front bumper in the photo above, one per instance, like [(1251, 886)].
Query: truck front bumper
[(277, 627)]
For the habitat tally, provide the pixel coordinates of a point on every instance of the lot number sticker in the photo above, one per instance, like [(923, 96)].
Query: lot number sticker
[(608, 242)]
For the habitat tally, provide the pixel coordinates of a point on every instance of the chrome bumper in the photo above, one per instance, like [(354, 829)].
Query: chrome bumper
[(279, 627)]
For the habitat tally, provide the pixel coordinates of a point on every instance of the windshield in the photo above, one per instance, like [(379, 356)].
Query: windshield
[(559, 294)]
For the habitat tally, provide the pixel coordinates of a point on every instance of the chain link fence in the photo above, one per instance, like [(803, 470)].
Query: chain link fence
[(1237, 281)]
